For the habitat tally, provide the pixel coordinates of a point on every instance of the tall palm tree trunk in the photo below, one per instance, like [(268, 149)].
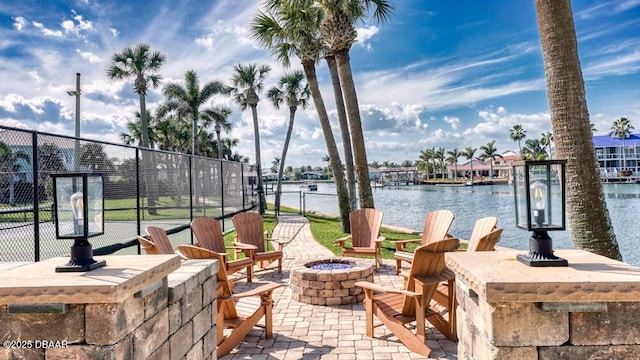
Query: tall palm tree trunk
[(195, 147), (144, 122), (589, 223), (624, 155), (332, 148), (260, 189), (292, 114), (218, 143), (344, 130), (355, 125), (147, 174)]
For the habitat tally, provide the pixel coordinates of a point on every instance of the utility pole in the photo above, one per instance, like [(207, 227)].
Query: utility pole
[(77, 94)]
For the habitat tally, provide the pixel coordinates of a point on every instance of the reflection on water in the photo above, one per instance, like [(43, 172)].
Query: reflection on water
[(406, 207)]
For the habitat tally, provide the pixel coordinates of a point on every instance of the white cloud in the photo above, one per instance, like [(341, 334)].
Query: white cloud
[(45, 31), (78, 26), (92, 58), (35, 76), (205, 42), (114, 32), (453, 121), (20, 23), (365, 34), (618, 65)]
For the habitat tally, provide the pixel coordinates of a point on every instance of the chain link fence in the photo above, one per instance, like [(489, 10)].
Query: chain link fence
[(141, 187)]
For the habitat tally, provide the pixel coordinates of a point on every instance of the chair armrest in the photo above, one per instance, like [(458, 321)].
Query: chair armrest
[(243, 246), (384, 289), (401, 244), (426, 280), (281, 243), (196, 252), (263, 289), (341, 240)]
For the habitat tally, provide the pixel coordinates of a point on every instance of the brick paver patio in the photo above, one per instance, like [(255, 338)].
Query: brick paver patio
[(303, 331)]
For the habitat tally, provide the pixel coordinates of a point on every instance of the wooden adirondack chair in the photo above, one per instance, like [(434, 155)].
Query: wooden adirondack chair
[(487, 242), (436, 227), (208, 233), (237, 311), (156, 242), (481, 228), (365, 235), (398, 307), (250, 229), (445, 294)]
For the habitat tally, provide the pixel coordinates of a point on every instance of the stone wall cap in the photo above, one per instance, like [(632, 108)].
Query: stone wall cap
[(496, 276), (124, 275)]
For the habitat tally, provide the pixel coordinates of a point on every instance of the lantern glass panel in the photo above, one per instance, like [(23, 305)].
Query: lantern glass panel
[(521, 193), (77, 207), (96, 205)]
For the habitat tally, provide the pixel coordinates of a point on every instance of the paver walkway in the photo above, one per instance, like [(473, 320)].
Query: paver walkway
[(303, 331)]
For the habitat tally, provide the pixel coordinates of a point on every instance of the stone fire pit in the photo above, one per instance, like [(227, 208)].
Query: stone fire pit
[(332, 282)]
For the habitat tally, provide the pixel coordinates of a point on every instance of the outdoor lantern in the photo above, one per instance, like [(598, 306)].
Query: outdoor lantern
[(539, 192), (79, 215)]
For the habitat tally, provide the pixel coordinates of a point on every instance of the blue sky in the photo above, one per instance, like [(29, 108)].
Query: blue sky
[(443, 74)]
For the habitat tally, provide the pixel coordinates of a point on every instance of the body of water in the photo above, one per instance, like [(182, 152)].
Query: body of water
[(407, 206)]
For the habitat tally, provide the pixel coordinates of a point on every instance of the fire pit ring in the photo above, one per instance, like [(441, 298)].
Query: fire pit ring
[(331, 282)]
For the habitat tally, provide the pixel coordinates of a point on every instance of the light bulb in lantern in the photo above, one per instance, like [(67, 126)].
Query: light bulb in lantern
[(539, 194)]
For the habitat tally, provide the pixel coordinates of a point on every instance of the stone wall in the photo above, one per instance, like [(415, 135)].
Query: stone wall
[(173, 318), (518, 331), (509, 311)]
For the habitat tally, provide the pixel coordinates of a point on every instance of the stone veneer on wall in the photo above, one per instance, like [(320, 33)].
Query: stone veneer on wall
[(509, 311), (172, 318)]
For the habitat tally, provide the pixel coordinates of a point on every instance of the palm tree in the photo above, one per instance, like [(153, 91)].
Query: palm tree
[(142, 64), (247, 82), (293, 91), (93, 156), (275, 164), (469, 152), (286, 31), (424, 160), (9, 164), (134, 132), (489, 151), (517, 133), (347, 149), (534, 150), (593, 128), (188, 99), (589, 226), (219, 115), (454, 155), (546, 140), (622, 129), (440, 155), (338, 34)]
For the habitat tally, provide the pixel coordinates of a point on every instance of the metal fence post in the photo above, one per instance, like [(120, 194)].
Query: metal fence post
[(36, 197)]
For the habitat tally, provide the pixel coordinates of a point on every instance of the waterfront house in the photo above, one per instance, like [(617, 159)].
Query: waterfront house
[(482, 168), (609, 152)]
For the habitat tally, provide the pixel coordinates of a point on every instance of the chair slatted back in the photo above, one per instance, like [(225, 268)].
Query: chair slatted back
[(208, 233), (482, 227), (365, 227), (428, 260), (159, 237), (250, 229), (487, 242), (436, 226)]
